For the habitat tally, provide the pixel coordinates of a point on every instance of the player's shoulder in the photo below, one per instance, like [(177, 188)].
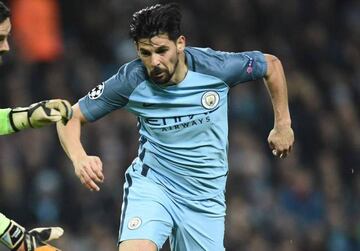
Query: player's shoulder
[(200, 54), (127, 78), (132, 72), (206, 61), (231, 67)]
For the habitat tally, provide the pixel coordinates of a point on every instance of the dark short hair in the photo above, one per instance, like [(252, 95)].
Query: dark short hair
[(155, 20), (4, 12)]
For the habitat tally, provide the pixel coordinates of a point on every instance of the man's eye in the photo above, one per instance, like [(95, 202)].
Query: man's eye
[(145, 53), (162, 51)]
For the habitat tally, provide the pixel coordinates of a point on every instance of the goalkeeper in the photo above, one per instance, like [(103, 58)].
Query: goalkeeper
[(14, 236)]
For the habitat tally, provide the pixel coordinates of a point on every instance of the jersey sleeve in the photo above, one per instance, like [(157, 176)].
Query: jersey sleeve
[(112, 94), (5, 127), (244, 66), (231, 67)]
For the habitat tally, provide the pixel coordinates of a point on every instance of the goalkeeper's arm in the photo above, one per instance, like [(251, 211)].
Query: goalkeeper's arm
[(34, 116), (16, 238)]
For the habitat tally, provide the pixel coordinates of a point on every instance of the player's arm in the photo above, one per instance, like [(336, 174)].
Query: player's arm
[(281, 137), (5, 127), (34, 116), (16, 238), (87, 168)]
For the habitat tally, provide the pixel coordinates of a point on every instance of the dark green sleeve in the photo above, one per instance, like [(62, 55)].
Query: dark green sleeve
[(5, 127), (4, 223)]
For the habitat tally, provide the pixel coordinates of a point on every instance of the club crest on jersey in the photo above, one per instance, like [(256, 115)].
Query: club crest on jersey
[(134, 223), (210, 99), (97, 91)]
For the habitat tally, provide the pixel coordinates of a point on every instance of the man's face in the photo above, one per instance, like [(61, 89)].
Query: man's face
[(160, 56), (5, 28)]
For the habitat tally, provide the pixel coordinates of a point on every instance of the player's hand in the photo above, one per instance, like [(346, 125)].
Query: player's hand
[(90, 172), (39, 237), (40, 114), (281, 140), (17, 238)]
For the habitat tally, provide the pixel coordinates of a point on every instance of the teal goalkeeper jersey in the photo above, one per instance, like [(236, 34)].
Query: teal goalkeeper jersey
[(184, 127)]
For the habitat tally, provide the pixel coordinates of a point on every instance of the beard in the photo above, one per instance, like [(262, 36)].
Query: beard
[(162, 76)]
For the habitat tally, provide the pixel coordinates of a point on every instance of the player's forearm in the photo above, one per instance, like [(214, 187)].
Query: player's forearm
[(34, 116), (4, 223), (5, 127), (276, 84), (69, 137)]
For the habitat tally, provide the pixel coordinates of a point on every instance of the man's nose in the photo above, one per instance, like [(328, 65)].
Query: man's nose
[(4, 46), (155, 61)]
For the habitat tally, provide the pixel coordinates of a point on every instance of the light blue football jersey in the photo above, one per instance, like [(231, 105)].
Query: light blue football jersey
[(184, 127)]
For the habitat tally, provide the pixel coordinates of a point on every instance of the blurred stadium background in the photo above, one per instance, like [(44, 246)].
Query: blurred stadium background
[(310, 201)]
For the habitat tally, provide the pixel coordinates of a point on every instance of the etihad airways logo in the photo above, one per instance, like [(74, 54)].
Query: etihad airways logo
[(180, 122)]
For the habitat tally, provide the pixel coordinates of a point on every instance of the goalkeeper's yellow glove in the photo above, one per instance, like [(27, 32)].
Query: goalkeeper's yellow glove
[(40, 114), (17, 238)]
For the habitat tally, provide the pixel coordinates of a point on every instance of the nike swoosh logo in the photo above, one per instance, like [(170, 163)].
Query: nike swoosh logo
[(147, 104)]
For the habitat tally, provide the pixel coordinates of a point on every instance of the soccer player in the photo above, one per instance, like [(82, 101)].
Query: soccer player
[(175, 186), (14, 236)]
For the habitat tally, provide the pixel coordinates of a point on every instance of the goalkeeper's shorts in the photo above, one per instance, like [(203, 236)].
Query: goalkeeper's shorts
[(149, 212)]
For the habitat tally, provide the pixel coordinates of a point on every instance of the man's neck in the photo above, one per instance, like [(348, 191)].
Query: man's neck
[(181, 70)]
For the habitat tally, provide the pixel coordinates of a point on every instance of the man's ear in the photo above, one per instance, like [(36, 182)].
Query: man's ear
[(181, 43)]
